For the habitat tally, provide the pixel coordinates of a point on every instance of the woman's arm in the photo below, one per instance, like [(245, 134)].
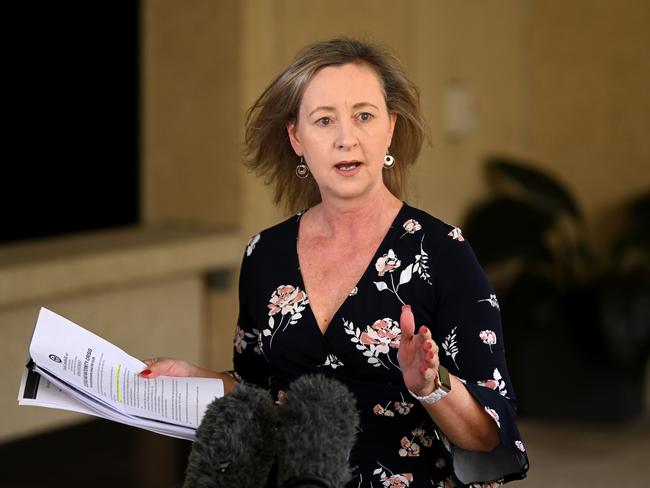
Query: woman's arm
[(178, 367), (459, 415)]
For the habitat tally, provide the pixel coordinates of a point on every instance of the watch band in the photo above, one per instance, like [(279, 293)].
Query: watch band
[(440, 392)]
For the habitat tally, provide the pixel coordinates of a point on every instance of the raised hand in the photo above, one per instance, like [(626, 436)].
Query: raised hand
[(417, 356)]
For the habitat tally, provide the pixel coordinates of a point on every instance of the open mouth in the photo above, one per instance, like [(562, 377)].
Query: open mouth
[(347, 165)]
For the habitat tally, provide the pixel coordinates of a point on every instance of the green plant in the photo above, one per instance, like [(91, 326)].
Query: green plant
[(532, 238)]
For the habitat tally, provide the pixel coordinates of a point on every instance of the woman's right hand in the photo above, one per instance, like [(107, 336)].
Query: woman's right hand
[(179, 367)]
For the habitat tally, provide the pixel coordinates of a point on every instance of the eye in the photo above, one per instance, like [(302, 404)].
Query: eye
[(365, 116), (324, 121)]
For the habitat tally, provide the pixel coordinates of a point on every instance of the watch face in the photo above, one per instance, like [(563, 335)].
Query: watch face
[(445, 380)]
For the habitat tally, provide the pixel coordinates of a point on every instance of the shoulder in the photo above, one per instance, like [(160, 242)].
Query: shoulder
[(273, 238), (437, 232)]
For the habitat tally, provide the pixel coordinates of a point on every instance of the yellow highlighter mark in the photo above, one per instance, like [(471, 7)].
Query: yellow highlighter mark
[(117, 383)]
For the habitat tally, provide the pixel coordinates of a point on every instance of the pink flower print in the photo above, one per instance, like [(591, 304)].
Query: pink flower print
[(409, 448), (403, 408), (384, 412), (397, 480), (495, 383), (387, 263), (284, 299), (383, 333), (456, 234), (424, 439), (240, 341), (520, 446), (411, 226), (494, 415), (488, 337)]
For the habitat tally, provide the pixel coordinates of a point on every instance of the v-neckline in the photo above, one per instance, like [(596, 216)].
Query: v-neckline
[(373, 259)]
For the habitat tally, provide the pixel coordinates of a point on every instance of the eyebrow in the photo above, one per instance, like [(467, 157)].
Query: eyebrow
[(355, 106)]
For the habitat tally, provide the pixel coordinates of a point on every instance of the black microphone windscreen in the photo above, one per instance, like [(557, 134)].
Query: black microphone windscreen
[(235, 443), (318, 422)]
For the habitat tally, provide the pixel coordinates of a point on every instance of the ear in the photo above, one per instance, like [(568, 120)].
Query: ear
[(392, 119), (292, 130)]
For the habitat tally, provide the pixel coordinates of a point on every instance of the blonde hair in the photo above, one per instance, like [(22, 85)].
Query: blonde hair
[(268, 151)]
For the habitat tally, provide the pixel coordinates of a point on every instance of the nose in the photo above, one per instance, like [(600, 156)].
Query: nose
[(346, 136)]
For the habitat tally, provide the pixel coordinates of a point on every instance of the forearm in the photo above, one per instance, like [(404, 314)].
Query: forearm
[(462, 419)]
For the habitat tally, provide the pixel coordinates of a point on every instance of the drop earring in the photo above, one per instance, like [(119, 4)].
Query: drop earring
[(302, 170), (389, 161)]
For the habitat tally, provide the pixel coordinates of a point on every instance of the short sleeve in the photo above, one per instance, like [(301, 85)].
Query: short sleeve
[(248, 360), (469, 334)]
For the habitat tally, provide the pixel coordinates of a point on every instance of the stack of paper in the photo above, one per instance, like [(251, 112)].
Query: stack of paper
[(71, 368)]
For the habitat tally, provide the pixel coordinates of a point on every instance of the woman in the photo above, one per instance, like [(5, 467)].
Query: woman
[(338, 288)]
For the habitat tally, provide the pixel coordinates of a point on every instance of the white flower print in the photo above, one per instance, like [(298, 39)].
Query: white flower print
[(494, 415), (376, 341), (354, 291), (391, 480), (332, 361), (289, 301), (421, 265), (389, 263), (520, 446), (456, 234), (411, 226), (251, 244), (488, 337), (450, 346), (496, 383), (492, 300)]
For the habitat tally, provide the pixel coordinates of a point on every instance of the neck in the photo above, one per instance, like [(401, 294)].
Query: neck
[(351, 217)]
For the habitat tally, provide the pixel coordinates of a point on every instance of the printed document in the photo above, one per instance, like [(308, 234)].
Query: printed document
[(73, 369)]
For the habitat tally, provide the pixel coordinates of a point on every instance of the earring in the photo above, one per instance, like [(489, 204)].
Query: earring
[(302, 170), (389, 161)]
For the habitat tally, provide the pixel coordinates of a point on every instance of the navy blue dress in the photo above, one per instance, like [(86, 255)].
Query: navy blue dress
[(422, 262)]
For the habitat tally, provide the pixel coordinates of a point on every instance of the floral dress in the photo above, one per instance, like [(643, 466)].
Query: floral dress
[(422, 262)]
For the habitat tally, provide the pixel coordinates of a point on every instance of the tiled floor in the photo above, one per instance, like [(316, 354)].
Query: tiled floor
[(594, 456)]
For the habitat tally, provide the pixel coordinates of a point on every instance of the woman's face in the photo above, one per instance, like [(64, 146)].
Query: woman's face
[(343, 130)]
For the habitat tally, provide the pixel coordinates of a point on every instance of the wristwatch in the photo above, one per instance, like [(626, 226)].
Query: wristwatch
[(444, 387)]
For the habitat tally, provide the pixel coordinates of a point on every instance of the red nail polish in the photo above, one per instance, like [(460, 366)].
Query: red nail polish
[(145, 372), (424, 369), (406, 308)]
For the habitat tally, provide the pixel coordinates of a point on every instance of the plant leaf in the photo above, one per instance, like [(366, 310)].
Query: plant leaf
[(539, 189)]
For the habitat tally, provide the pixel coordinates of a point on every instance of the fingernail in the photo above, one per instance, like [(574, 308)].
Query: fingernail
[(406, 308), (424, 369), (145, 372), (424, 330)]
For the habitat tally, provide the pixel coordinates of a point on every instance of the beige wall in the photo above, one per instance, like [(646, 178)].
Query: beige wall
[(589, 112), (562, 84), (191, 112)]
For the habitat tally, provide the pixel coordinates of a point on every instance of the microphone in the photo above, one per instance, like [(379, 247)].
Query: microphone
[(235, 443), (318, 422)]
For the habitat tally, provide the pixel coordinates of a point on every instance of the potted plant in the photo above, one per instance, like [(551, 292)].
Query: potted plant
[(576, 321)]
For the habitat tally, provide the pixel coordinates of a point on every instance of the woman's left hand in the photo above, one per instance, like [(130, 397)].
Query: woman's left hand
[(417, 356)]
